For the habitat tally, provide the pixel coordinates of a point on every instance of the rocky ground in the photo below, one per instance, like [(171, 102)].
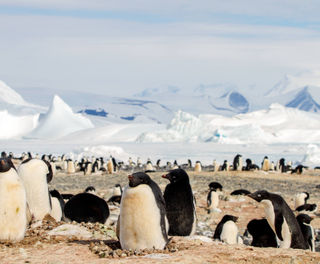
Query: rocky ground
[(58, 243)]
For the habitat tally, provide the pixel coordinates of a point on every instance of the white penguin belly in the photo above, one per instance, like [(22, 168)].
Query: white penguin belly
[(140, 219), (56, 211), (13, 203), (214, 200), (229, 233)]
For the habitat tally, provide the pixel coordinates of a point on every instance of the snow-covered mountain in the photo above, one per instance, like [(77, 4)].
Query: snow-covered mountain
[(301, 91)]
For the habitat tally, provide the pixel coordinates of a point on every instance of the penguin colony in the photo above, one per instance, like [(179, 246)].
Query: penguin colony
[(147, 216)]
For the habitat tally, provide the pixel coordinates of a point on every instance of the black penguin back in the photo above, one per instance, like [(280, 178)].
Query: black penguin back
[(262, 233), (86, 207), (179, 203)]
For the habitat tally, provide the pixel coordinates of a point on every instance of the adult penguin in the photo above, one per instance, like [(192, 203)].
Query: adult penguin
[(57, 205), (13, 203), (237, 162), (281, 219), (36, 174), (142, 222), (215, 188), (180, 204), (87, 207), (262, 234)]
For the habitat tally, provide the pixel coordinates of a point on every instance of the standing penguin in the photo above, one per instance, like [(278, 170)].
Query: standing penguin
[(213, 197), (142, 221), (262, 234), (237, 162), (36, 174), (265, 166), (197, 166), (13, 203), (304, 221), (180, 204), (281, 219), (227, 230)]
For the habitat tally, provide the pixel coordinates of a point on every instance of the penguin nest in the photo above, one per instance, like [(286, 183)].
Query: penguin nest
[(112, 249)]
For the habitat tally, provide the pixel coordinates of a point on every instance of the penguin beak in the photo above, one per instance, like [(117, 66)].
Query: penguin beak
[(130, 177), (165, 176), (251, 195)]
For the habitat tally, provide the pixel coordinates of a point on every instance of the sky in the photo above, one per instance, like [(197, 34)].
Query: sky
[(120, 48)]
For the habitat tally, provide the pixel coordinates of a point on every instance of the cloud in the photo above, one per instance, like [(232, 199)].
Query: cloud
[(116, 56)]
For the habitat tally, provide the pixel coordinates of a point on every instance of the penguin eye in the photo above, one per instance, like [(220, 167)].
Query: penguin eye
[(259, 195)]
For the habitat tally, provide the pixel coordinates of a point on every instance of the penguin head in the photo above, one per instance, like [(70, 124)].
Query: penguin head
[(260, 195), (229, 218), (304, 218), (177, 175), (90, 189), (138, 178), (6, 165), (214, 186)]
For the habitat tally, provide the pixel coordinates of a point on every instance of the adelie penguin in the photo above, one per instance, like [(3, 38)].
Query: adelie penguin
[(142, 222), (36, 174), (215, 189), (281, 219), (262, 234), (227, 230), (87, 207), (307, 230), (13, 203), (180, 204)]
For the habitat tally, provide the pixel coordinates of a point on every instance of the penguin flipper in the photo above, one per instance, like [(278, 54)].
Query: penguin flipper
[(278, 225), (209, 199)]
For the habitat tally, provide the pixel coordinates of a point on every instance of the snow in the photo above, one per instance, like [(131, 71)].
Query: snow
[(277, 124), (16, 126), (59, 121), (10, 96), (276, 131)]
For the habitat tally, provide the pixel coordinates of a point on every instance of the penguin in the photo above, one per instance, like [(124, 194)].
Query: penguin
[(117, 193), (307, 208), (265, 164), (70, 167), (215, 188), (142, 222), (110, 166), (88, 168), (90, 189), (301, 199), (262, 234), (87, 207), (299, 169), (237, 162), (212, 201), (240, 192), (227, 230), (57, 204), (281, 219), (149, 167), (197, 166), (180, 204), (225, 166), (13, 203), (36, 174), (215, 166), (307, 230)]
